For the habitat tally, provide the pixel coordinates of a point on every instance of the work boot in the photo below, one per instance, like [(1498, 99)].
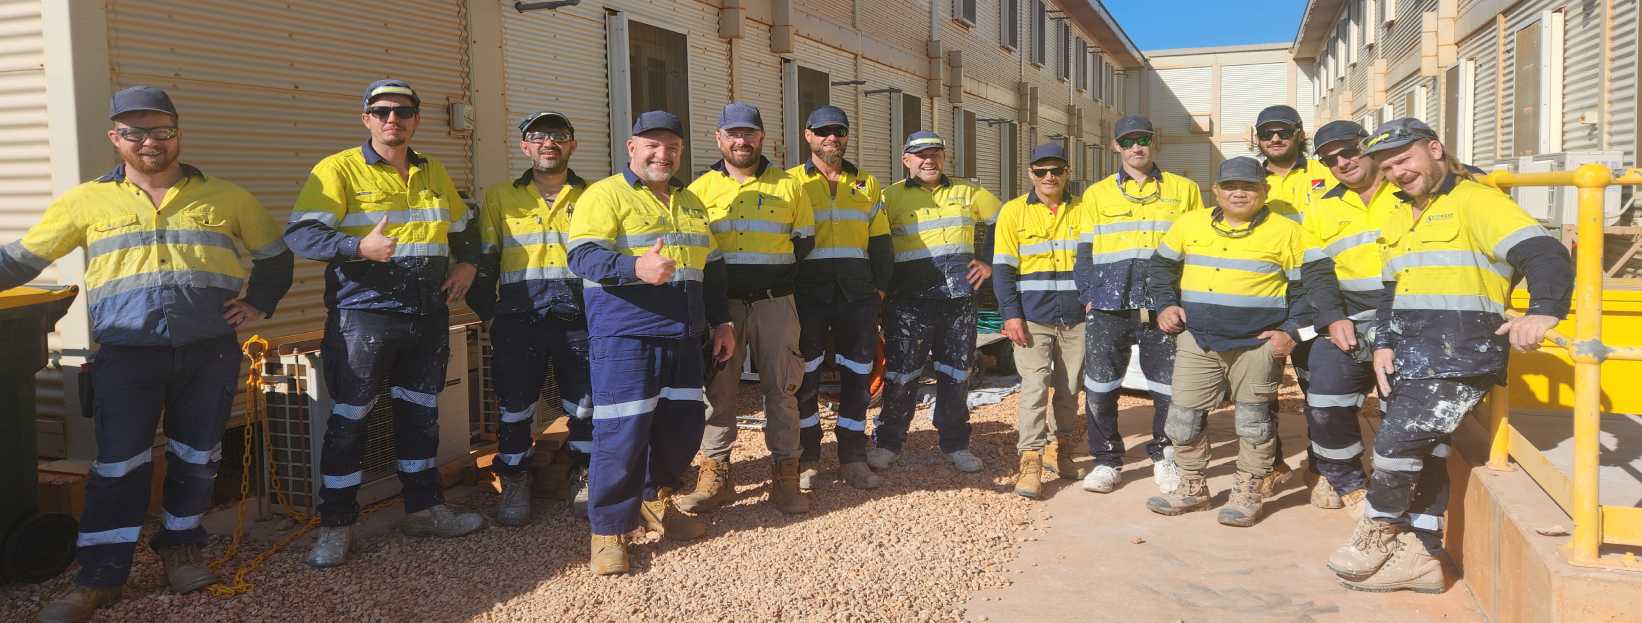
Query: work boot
[(185, 569), (1243, 508), (577, 488), (1323, 495), (1192, 495), (1412, 568), (881, 459), (965, 461), (808, 473), (662, 516), (1353, 502), (1371, 545), (79, 604), (858, 475), (1166, 473), (1059, 464), (514, 509), (441, 521), (330, 547), (609, 554), (713, 487), (1102, 479), (1029, 480), (784, 492), (1275, 479)]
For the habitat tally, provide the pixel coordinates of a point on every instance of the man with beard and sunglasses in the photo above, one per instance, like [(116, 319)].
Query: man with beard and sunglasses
[(163, 286), (841, 285), (762, 221), (393, 232), (1124, 218), (523, 230)]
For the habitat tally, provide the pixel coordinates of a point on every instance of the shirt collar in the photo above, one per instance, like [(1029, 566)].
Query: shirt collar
[(1068, 196), (912, 182), (1448, 182), (1338, 191), (1259, 217), (848, 167), (1299, 165), (1155, 173), (571, 179), (117, 174), (763, 165), (371, 157), (633, 179)]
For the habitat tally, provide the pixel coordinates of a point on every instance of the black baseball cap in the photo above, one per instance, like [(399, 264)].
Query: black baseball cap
[(1336, 131), (1280, 113), (1048, 151), (658, 120), (1241, 169), (545, 116), (1132, 124), (138, 98), (1397, 133), (922, 140), (740, 115), (827, 116), (391, 87)]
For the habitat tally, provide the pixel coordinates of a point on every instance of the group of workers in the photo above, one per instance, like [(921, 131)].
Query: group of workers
[(1380, 266)]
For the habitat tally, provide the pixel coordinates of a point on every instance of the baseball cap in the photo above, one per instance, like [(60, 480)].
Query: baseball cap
[(1047, 151), (740, 115), (658, 120), (391, 87), (1132, 124), (1336, 131), (133, 99), (545, 116), (1241, 169), (826, 116), (921, 140), (1397, 133), (1280, 113)]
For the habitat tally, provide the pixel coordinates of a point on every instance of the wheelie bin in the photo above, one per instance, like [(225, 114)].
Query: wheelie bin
[(34, 546)]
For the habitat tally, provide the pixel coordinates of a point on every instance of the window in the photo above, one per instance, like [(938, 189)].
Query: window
[(1371, 25), (1081, 53), (963, 143), (1009, 141), (1351, 37), (1525, 141), (1040, 31), (964, 11), (1097, 90), (814, 91), (1063, 50), (1390, 11), (1457, 114), (911, 115), (1009, 23), (660, 81)]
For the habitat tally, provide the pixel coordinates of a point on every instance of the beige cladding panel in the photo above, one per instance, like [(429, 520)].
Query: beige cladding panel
[(554, 61), (1187, 159), (984, 57), (840, 11), (1402, 39), (758, 81), (880, 152), (1174, 95), (839, 66), (1622, 80), (1245, 90), (26, 167), (1583, 91), (1480, 49), (900, 25)]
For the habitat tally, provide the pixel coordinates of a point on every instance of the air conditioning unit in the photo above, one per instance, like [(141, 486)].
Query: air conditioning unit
[(299, 407), (1559, 205)]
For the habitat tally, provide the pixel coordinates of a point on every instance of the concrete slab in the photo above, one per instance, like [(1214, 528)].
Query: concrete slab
[(1621, 459)]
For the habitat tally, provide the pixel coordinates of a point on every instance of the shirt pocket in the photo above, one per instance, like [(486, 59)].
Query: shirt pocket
[(207, 219), (1440, 232), (115, 224)]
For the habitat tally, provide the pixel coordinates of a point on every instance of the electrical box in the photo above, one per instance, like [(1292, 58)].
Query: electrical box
[(461, 117)]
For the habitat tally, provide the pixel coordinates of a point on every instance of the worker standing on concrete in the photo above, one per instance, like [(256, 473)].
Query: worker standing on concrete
[(1346, 222), (1033, 253), (931, 307), (523, 229), (1231, 279), (840, 286), (762, 221), (1451, 248), (1124, 218), (654, 283), (163, 280), (393, 232)]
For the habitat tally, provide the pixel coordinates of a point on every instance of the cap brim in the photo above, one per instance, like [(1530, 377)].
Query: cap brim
[(1137, 131), (1062, 160), (846, 126), (667, 130), (739, 126), (552, 116), (133, 109), (1239, 179)]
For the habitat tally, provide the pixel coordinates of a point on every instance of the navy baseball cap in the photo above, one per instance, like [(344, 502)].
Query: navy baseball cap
[(133, 99), (1132, 124), (1336, 131), (548, 117), (827, 116), (921, 140), (658, 120), (1397, 133), (740, 115), (1242, 169), (391, 87), (1278, 114), (1047, 151)]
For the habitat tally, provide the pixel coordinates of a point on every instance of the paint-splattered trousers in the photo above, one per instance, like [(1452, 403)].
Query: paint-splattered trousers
[(920, 333), (1410, 481), (362, 351), (1109, 337), (191, 388), (522, 346), (852, 329), (1340, 382), (649, 410)]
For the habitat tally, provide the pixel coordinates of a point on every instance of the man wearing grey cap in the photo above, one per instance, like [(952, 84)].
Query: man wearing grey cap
[(762, 221), (163, 281)]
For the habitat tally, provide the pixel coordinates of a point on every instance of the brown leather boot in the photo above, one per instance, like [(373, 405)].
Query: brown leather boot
[(1029, 479), (784, 492), (713, 488), (1057, 459), (1411, 568), (1193, 494), (1371, 545), (662, 516), (1324, 496), (1275, 479), (79, 604), (1243, 509), (185, 569), (609, 556)]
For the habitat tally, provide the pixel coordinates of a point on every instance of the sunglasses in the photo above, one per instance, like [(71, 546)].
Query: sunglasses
[(557, 136), (1127, 141), (1055, 171), (138, 135), (838, 131), (1275, 133), (1349, 153), (381, 112)]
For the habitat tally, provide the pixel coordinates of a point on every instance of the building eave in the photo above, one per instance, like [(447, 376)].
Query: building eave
[(1093, 18), (1315, 25)]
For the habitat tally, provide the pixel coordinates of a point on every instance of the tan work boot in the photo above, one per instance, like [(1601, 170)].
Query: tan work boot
[(713, 488), (1324, 496), (1058, 463), (1243, 509), (79, 604), (1192, 495), (1412, 568), (860, 476), (1275, 479), (185, 569), (1371, 545), (441, 521), (1029, 480), (808, 473), (609, 556), (1353, 502), (662, 516), (784, 492)]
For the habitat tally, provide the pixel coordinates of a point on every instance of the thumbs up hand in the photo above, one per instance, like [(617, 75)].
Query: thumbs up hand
[(378, 246), (653, 267)]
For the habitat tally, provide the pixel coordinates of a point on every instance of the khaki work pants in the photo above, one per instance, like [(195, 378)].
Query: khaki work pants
[(766, 330), (1202, 379), (1053, 361)]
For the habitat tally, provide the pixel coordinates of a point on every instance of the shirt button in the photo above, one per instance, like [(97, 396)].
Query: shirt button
[(162, 260)]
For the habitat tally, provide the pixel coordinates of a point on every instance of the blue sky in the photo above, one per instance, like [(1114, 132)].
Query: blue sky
[(1164, 24)]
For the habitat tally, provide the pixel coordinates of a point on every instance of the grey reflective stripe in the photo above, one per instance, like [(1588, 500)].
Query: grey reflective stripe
[(272, 249), (514, 417), (852, 365), (397, 217), (1446, 259), (1366, 284), (424, 249), (190, 454), (639, 407), (344, 481), (842, 215), (1367, 314), (490, 248), (932, 225), (766, 259), (1313, 255), (534, 238), (1006, 260), (1293, 274), (1338, 454), (1440, 450), (1340, 246), (324, 218), (1510, 241), (1296, 217), (715, 255), (643, 241), (597, 242), (849, 424), (814, 364), (803, 232), (513, 458), (1049, 246), (1429, 523), (1131, 254), (15, 252), (537, 274), (683, 394), (1448, 302), (1370, 511), (749, 225), (580, 411), (117, 469), (1159, 388), (1163, 249), (900, 377), (415, 397), (1324, 401), (837, 253), (1047, 285), (181, 278), (934, 252), (179, 524), (1234, 300), (108, 537), (1407, 465), (811, 421), (1253, 266), (411, 466), (1101, 387), (1128, 226), (687, 274), (876, 208), (351, 412), (951, 372), (457, 227), (152, 237)]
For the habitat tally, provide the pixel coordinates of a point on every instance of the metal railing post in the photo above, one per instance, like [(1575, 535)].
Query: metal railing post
[(1499, 429), (1591, 179)]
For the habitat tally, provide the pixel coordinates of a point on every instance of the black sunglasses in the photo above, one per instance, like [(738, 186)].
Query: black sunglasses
[(1130, 141), (138, 135), (1056, 171), (381, 112), (1349, 153), (557, 136), (1282, 133), (834, 130)]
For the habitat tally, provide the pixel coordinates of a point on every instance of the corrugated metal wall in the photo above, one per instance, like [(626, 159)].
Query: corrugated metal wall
[(1402, 38), (25, 157), (840, 66), (1188, 159), (1582, 88), (1305, 95), (1622, 81), (758, 81), (553, 61), (1173, 95), (1524, 14), (1484, 139), (1245, 91)]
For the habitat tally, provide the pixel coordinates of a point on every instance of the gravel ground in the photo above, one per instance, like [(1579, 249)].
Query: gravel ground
[(913, 550)]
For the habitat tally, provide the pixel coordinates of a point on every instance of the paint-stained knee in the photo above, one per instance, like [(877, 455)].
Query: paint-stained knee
[(1254, 421), (1184, 426)]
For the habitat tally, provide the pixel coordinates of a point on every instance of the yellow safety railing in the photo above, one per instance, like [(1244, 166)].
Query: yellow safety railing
[(1594, 524)]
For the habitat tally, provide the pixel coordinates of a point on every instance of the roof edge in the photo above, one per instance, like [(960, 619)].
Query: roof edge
[(1315, 25), (1108, 34)]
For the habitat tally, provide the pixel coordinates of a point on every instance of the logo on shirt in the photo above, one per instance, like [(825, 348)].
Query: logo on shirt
[(1439, 217), (695, 212), (1316, 184)]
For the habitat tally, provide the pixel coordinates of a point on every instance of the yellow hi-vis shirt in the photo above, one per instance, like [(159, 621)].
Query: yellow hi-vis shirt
[(154, 276), (1123, 221), (934, 235), (1292, 193), (1349, 232), (1034, 251), (846, 220), (525, 238), (755, 223)]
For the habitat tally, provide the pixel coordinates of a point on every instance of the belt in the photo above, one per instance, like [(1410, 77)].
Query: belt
[(751, 296)]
